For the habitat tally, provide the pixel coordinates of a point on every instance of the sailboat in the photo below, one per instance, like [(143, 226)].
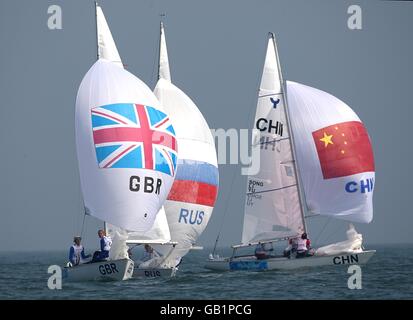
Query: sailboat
[(158, 235), (189, 205), (191, 201), (315, 159), (127, 153)]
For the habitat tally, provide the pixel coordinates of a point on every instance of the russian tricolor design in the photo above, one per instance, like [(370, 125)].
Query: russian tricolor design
[(195, 182), (128, 135)]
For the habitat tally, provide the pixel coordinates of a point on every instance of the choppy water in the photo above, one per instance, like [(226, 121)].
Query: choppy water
[(388, 275)]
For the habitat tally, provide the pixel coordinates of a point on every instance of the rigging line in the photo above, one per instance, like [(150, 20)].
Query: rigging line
[(270, 190), (83, 224), (253, 107), (270, 141), (157, 48), (225, 212), (81, 204), (322, 230), (270, 94), (77, 218), (340, 226)]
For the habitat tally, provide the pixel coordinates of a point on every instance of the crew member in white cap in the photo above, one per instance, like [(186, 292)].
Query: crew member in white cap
[(77, 252)]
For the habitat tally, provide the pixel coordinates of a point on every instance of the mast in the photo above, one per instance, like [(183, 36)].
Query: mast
[(97, 31), (291, 134), (159, 49), (163, 63), (105, 227)]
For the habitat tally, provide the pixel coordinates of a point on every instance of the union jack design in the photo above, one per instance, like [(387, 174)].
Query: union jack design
[(128, 135)]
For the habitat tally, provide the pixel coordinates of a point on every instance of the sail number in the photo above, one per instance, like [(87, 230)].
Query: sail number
[(149, 184), (191, 216), (152, 274), (363, 186), (354, 258), (276, 127), (108, 268)]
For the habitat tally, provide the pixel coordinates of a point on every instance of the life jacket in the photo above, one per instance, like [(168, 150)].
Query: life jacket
[(77, 253), (260, 249), (302, 245), (294, 243), (108, 243)]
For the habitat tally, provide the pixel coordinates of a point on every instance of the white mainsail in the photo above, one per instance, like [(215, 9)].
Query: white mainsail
[(106, 45), (126, 144), (191, 200), (272, 208), (334, 154)]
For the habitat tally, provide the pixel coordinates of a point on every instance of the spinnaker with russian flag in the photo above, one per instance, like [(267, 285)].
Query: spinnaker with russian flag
[(193, 194)]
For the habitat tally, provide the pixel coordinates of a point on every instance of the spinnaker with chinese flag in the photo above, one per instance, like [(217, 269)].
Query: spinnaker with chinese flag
[(334, 155)]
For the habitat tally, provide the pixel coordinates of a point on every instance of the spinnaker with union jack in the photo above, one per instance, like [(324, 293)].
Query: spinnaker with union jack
[(126, 143)]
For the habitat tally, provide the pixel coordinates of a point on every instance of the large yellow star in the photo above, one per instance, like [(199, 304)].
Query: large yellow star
[(327, 139)]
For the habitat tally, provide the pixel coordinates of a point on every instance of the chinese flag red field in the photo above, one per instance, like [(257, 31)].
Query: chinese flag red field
[(344, 149)]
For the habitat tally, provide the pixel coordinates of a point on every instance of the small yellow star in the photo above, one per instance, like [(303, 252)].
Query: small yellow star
[(327, 139)]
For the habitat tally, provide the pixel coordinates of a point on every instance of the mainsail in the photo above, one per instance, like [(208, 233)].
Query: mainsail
[(106, 45), (272, 208), (334, 154), (191, 200), (125, 141)]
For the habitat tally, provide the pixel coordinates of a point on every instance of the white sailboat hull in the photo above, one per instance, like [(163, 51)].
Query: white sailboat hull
[(152, 273), (282, 263), (114, 270)]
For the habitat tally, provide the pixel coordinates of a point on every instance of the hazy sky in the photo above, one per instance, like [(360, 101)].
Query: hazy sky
[(216, 50)]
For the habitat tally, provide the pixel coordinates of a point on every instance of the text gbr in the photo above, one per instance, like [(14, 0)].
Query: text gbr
[(108, 268), (148, 185)]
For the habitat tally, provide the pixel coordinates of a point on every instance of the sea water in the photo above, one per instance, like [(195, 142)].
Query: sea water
[(388, 275)]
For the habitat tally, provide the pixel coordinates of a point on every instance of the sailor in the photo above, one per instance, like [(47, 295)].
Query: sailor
[(105, 244), (303, 245), (262, 250), (77, 252), (149, 253), (292, 246)]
